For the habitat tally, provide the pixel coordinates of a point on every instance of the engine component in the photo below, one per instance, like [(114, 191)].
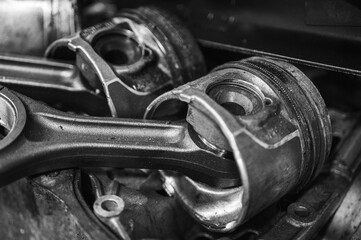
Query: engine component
[(37, 137), (259, 95), (274, 122), (148, 212), (38, 24), (131, 60), (53, 82), (108, 208), (304, 215)]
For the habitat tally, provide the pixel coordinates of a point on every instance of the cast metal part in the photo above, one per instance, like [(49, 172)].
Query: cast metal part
[(273, 120), (134, 57), (148, 213), (52, 82), (327, 198), (108, 208), (28, 27), (38, 138)]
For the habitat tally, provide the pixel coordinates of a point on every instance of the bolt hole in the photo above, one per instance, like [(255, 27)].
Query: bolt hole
[(109, 205), (302, 211), (267, 101), (147, 52), (234, 108)]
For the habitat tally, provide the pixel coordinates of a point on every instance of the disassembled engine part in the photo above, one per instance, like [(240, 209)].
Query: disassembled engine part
[(51, 82), (306, 216), (38, 138), (37, 23), (148, 213), (134, 58), (273, 120), (252, 108), (108, 208)]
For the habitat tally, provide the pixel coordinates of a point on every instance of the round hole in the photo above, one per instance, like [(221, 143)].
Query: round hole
[(147, 52), (118, 49), (267, 101), (109, 205), (238, 97), (302, 211), (234, 108)]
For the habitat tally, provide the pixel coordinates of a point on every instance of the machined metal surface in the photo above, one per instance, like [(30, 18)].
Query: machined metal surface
[(133, 62), (296, 137), (241, 153), (40, 139), (56, 83), (257, 113)]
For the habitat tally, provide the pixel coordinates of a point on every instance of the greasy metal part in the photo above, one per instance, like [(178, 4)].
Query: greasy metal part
[(287, 219), (148, 213), (52, 82), (306, 217), (357, 234), (346, 219), (108, 208), (53, 206), (31, 211), (313, 209), (41, 139), (29, 26), (273, 120), (132, 61)]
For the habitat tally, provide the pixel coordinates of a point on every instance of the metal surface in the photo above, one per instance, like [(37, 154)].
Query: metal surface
[(323, 34), (254, 108), (41, 139), (29, 26), (303, 215), (289, 188), (53, 82), (148, 212), (108, 208), (31, 211), (132, 61), (313, 209)]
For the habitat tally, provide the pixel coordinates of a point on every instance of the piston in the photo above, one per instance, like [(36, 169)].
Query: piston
[(133, 58), (268, 117)]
